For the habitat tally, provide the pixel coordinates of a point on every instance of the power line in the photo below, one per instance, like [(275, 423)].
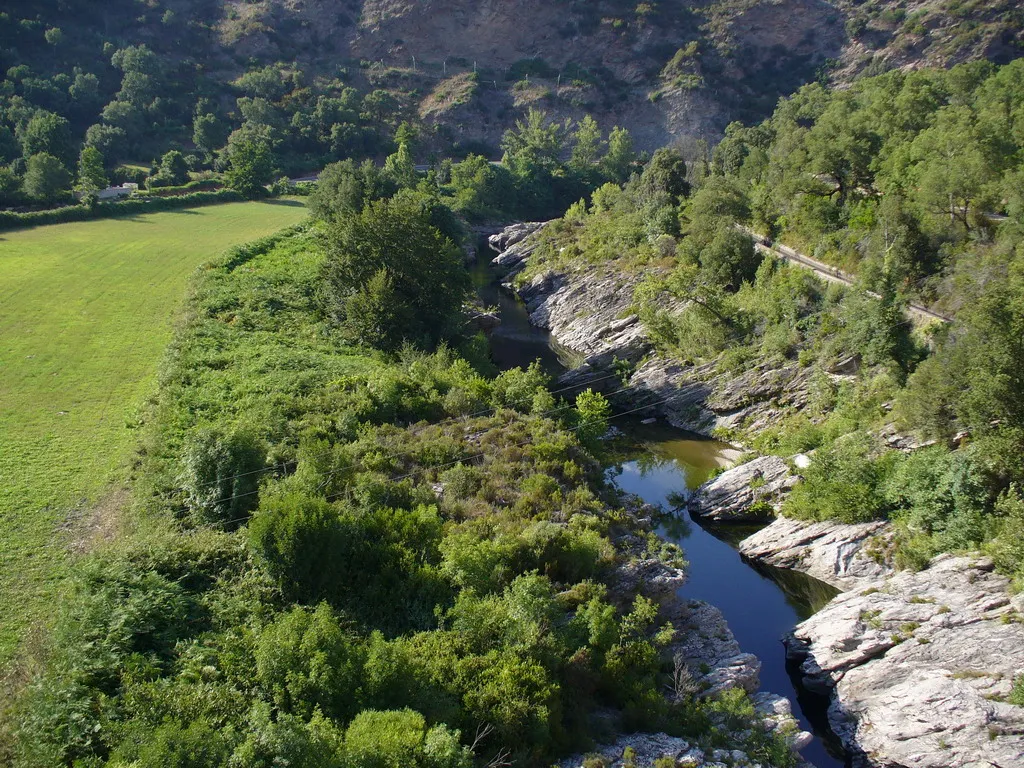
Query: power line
[(221, 524), (334, 472)]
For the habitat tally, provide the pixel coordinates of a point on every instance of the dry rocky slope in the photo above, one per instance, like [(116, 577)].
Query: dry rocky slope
[(918, 665), (666, 69)]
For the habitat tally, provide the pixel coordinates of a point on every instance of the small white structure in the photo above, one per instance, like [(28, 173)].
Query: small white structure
[(115, 193)]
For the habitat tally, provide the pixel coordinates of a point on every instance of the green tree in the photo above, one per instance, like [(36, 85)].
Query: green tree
[(209, 133), (663, 179), (482, 189), (400, 739), (975, 379), (92, 176), (586, 147), (400, 169), (46, 179), (276, 739), (534, 147), (48, 133), (250, 162), (376, 315), (592, 412), (305, 662), (10, 186), (423, 272), (951, 167), (296, 538), (107, 139), (266, 83), (620, 160), (173, 170), (345, 188)]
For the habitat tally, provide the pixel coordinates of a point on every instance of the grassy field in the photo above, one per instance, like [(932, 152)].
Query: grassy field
[(85, 313)]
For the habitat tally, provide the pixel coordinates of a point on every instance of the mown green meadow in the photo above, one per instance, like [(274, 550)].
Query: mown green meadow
[(86, 311)]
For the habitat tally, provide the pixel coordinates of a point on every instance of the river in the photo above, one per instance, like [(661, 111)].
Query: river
[(663, 465)]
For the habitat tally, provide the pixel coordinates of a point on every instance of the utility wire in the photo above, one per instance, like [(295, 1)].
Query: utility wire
[(219, 525)]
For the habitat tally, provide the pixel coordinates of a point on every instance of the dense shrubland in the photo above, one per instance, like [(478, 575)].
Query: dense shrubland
[(913, 182), (348, 551)]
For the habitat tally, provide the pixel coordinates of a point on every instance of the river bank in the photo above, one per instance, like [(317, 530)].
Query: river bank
[(837, 652), (733, 639)]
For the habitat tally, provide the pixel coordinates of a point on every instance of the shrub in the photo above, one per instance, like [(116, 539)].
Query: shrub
[(592, 412), (305, 662), (843, 482), (221, 475)]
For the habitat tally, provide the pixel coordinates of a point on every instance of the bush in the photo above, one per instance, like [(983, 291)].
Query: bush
[(844, 482), (306, 663), (11, 220), (221, 475)]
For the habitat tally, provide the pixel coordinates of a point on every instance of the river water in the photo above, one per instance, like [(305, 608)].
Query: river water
[(663, 465)]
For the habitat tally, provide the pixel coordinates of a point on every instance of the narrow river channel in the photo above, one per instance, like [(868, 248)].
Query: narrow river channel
[(663, 465)]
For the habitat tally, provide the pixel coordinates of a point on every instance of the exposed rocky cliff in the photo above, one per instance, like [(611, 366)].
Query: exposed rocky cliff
[(920, 667), (588, 311), (845, 556), (665, 69)]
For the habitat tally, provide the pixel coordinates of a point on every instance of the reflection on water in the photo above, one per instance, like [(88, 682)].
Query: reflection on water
[(516, 343), (761, 605)]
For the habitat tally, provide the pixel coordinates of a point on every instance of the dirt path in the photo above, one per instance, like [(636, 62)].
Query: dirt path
[(915, 312)]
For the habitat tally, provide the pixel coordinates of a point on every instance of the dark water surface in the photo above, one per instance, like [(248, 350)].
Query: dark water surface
[(663, 465), (760, 604)]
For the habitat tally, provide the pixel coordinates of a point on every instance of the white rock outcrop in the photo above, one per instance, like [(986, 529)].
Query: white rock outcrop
[(747, 493), (845, 556), (920, 667)]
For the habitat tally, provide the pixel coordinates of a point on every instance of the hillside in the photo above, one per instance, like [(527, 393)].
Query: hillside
[(664, 70)]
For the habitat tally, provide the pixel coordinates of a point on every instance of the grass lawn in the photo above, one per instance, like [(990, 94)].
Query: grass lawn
[(86, 310)]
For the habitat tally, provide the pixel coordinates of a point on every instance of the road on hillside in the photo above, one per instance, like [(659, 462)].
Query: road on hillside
[(832, 274)]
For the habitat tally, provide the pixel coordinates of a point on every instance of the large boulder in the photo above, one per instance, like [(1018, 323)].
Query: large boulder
[(845, 556), (747, 493), (920, 667), (515, 245)]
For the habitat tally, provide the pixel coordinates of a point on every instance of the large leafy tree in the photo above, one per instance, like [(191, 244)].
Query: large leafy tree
[(393, 276), (46, 178), (92, 176), (49, 133), (250, 162)]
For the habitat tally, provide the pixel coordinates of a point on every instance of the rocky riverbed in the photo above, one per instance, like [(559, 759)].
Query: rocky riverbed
[(918, 665)]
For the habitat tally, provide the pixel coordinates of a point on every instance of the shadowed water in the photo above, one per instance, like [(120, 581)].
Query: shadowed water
[(761, 604)]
